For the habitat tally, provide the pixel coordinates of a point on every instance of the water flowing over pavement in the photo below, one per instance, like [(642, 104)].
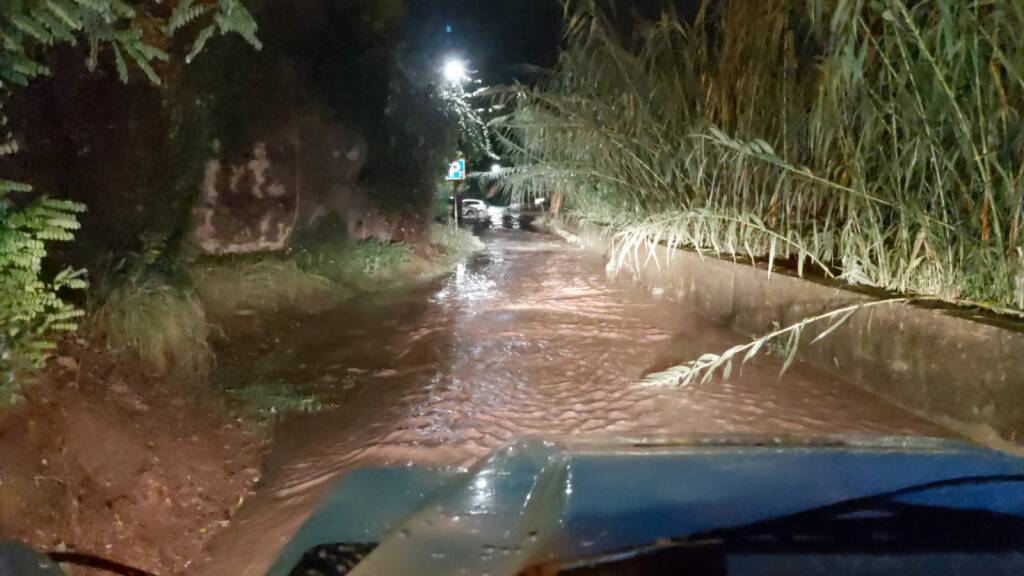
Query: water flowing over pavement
[(529, 337)]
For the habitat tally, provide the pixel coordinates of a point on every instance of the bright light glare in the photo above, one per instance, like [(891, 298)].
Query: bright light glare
[(455, 71), (495, 168)]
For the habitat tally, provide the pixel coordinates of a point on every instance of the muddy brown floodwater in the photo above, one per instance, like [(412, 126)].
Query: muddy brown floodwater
[(529, 337)]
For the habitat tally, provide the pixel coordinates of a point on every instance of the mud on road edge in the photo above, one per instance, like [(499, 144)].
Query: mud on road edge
[(102, 458)]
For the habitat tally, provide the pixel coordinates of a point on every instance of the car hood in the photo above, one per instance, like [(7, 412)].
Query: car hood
[(541, 499)]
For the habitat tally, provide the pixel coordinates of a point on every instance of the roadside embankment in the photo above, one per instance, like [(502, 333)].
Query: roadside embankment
[(954, 366), (124, 448), (104, 457)]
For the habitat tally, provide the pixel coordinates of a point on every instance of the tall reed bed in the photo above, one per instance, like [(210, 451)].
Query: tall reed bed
[(881, 141)]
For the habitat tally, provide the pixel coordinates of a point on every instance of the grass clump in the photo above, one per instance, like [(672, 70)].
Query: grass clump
[(454, 242), (249, 284), (270, 401), (162, 326), (881, 142), (373, 265), (367, 265), (323, 268)]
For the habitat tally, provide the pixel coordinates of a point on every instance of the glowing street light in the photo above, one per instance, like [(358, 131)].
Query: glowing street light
[(455, 71)]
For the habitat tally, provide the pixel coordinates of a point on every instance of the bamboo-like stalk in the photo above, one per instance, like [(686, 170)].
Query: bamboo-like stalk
[(884, 140)]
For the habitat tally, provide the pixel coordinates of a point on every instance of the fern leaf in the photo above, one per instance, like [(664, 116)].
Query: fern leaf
[(13, 77), (201, 39), (9, 147), (12, 186), (58, 29), (29, 68), (127, 35), (29, 26), (151, 52), (235, 18), (66, 13), (143, 63), (94, 54), (122, 67), (120, 8), (184, 14), (99, 7), (63, 327), (63, 205), (10, 43)]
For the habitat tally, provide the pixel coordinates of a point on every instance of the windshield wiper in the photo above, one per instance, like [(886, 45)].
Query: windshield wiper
[(97, 563), (875, 524), (694, 558), (880, 523)]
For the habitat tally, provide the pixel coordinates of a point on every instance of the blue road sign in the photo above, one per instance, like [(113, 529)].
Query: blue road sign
[(457, 171)]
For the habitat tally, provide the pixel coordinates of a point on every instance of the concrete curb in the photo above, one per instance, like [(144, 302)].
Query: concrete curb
[(961, 372)]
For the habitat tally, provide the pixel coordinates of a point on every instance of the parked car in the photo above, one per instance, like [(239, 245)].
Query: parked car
[(473, 209)]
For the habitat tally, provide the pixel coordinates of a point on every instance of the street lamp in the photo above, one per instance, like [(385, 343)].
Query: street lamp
[(455, 71)]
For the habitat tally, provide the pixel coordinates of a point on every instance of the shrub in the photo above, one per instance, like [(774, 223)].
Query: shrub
[(271, 401), (455, 242), (32, 313), (366, 265), (259, 283), (31, 310), (162, 326)]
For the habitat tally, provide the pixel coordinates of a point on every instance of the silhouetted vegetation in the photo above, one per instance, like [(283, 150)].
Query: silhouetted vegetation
[(113, 33), (136, 156), (880, 142)]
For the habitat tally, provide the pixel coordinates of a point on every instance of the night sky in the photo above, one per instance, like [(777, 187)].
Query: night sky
[(495, 36)]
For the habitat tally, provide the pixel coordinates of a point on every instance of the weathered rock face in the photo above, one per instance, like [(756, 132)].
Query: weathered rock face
[(243, 208), (289, 181)]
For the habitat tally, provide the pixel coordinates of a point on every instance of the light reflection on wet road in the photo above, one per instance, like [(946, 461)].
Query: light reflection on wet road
[(529, 337)]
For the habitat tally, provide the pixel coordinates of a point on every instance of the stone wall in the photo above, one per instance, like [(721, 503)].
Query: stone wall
[(943, 363)]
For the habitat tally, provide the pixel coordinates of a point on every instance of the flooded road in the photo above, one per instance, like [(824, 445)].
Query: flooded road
[(528, 337)]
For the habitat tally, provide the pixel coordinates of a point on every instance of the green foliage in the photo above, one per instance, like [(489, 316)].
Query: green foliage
[(419, 137), (103, 24), (455, 242), (390, 101), (31, 309), (368, 265), (272, 401), (441, 208), (30, 306), (474, 132), (161, 325), (323, 269), (372, 265), (107, 25), (229, 17), (881, 141), (248, 284)]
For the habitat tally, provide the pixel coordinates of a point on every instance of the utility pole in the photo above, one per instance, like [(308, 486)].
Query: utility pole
[(458, 205)]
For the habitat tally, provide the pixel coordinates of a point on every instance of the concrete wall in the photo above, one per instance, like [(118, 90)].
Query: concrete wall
[(964, 372)]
